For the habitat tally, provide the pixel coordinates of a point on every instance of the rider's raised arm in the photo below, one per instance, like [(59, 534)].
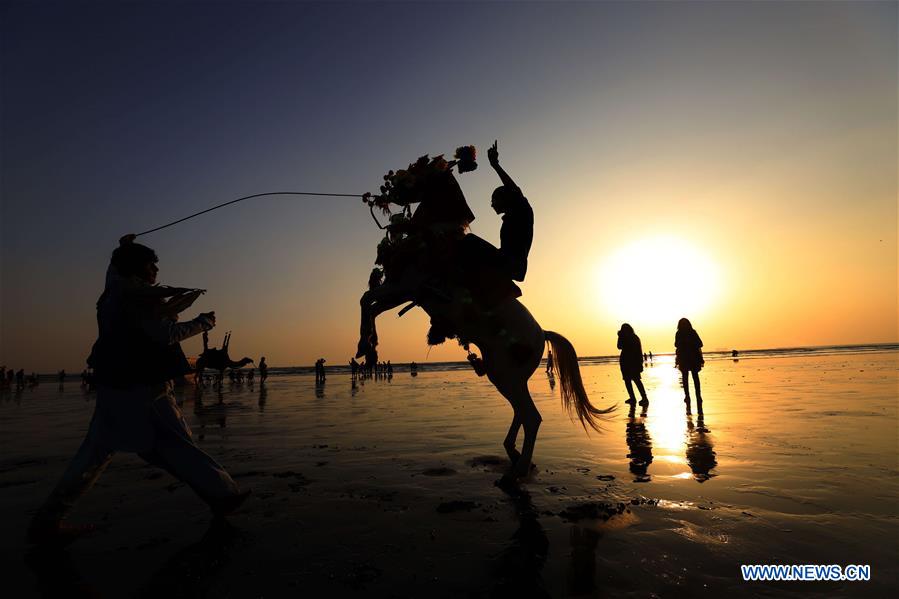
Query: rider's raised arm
[(493, 157)]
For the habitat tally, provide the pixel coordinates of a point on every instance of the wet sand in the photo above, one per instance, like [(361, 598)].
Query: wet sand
[(388, 489)]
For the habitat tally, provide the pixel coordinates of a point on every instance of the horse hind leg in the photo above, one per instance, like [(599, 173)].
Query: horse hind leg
[(509, 442), (530, 420), (526, 416)]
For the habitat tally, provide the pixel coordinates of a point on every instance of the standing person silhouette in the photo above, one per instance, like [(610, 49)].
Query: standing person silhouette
[(263, 370), (517, 233), (688, 358), (549, 362), (135, 358), (631, 362)]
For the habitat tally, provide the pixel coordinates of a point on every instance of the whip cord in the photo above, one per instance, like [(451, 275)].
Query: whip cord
[(255, 195)]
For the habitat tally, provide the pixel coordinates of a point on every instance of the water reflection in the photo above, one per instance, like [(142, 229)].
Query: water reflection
[(582, 565), (263, 396), (209, 416), (675, 440), (640, 445), (667, 423), (517, 568), (700, 453)]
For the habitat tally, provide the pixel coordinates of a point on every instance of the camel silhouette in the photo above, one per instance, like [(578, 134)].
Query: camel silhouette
[(218, 359)]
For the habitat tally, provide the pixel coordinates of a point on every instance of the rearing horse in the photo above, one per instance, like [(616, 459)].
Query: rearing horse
[(511, 341)]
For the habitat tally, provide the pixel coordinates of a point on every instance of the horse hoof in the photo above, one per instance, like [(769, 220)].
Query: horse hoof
[(519, 472), (508, 481), (514, 455)]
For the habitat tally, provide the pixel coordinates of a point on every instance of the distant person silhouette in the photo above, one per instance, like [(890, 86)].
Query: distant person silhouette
[(517, 232), (650, 357), (631, 363), (320, 370), (136, 357), (549, 361), (263, 370), (688, 359)]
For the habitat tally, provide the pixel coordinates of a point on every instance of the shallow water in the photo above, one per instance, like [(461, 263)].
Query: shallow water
[(387, 489)]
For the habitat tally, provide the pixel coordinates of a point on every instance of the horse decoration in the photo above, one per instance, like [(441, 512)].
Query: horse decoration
[(428, 257), (217, 359)]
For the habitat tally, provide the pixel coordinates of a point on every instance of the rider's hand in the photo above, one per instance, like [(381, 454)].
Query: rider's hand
[(127, 239), (493, 154)]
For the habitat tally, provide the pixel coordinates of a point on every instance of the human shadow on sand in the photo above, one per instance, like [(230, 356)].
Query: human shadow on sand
[(190, 572), (56, 575), (193, 570)]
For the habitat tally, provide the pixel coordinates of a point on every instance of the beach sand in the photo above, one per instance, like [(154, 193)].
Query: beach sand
[(387, 490)]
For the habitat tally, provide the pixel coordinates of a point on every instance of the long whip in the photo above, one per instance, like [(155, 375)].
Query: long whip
[(256, 195)]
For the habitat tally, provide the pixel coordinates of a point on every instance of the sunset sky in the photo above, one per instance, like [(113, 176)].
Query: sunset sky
[(734, 163)]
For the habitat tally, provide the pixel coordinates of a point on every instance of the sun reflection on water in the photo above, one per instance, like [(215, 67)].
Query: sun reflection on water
[(664, 439), (666, 418)]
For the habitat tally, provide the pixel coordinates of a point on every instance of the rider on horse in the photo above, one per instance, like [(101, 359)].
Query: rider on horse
[(517, 231), (433, 242)]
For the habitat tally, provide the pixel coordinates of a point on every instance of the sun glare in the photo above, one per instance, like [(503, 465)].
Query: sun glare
[(658, 280)]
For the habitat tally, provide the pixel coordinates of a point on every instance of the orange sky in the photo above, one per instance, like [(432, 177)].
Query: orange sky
[(760, 137)]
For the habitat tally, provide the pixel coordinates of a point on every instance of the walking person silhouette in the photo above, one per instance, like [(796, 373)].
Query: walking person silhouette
[(263, 370), (688, 359), (135, 358), (631, 362)]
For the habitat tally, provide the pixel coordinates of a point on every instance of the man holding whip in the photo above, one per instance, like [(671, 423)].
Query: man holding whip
[(135, 359)]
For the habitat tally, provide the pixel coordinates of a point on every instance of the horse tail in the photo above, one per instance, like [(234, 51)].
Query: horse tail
[(574, 396)]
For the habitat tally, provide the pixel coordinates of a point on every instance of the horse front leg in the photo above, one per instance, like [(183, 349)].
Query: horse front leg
[(366, 326), (373, 303)]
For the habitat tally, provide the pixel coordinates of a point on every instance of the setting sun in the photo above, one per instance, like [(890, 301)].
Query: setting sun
[(658, 280)]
